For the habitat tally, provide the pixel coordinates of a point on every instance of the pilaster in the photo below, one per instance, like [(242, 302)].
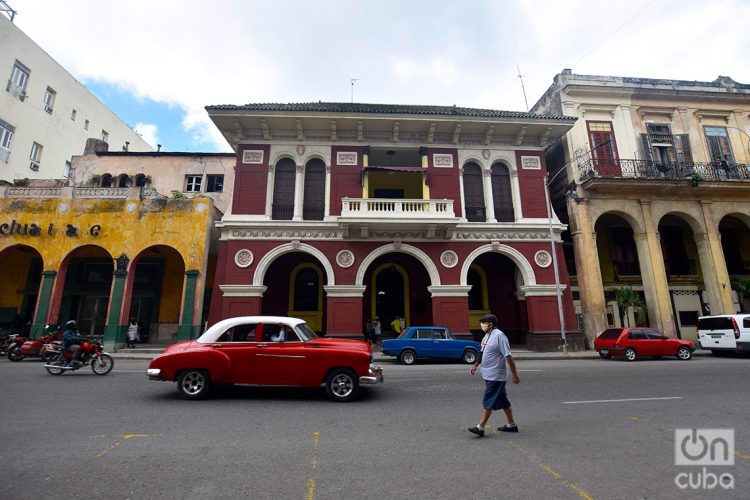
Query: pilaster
[(42, 307)]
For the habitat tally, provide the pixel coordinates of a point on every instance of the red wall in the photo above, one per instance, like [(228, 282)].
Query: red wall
[(346, 180), (452, 313), (531, 183), (444, 182), (250, 182)]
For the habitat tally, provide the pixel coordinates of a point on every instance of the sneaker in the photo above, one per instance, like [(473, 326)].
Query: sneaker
[(508, 428), (476, 430)]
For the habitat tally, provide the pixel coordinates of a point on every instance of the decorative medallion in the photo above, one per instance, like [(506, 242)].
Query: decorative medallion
[(543, 258), (296, 244), (300, 150), (131, 207), (449, 259), (200, 208), (486, 154), (345, 258), (63, 207), (243, 258)]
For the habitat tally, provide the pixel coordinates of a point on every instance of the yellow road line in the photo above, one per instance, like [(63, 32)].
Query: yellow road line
[(314, 465), (581, 492), (123, 438)]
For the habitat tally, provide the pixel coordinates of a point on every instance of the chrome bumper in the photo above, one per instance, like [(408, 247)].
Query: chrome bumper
[(375, 376)]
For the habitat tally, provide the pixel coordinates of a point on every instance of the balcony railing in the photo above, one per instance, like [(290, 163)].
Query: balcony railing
[(378, 208), (649, 169), (476, 214), (282, 212)]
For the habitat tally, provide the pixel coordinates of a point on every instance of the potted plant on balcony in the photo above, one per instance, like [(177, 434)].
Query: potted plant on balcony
[(696, 179)]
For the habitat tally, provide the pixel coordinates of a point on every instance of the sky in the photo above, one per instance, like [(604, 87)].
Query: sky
[(158, 63)]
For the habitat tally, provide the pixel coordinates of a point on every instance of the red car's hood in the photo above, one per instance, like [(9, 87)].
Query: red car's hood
[(329, 343), (182, 346)]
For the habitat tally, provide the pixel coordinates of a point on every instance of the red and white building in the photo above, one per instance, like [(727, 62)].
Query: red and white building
[(342, 212)]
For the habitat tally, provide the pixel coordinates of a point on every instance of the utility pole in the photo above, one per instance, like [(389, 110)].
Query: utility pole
[(520, 77), (353, 81)]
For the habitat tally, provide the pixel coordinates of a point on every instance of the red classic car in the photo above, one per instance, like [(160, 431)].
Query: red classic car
[(266, 350), (636, 342)]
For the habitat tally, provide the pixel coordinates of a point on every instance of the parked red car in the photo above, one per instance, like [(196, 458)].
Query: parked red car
[(635, 342), (266, 350)]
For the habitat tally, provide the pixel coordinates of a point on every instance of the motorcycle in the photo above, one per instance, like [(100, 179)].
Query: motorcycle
[(92, 353), (6, 342), (23, 347)]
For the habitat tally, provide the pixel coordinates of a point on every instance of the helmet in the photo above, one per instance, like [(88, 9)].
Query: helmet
[(71, 324)]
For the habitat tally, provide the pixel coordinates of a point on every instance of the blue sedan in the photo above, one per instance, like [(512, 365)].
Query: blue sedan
[(430, 342)]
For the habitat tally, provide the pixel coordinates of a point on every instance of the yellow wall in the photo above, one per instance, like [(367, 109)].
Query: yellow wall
[(411, 183), (14, 266), (171, 290)]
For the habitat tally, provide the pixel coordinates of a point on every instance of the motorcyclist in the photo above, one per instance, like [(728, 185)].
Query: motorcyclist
[(72, 342)]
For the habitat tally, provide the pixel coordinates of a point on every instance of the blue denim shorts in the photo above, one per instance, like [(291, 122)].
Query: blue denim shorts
[(495, 397)]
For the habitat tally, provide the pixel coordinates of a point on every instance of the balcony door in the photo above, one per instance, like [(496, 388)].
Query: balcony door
[(313, 208), (473, 193), (603, 148), (283, 190)]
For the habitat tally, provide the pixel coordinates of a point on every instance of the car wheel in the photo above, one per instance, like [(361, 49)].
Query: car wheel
[(342, 385), (193, 384), (630, 354), (408, 357), (684, 353), (605, 356), (469, 356)]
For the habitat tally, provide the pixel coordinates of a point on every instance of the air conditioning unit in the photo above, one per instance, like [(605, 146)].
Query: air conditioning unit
[(22, 96), (48, 108), (34, 166)]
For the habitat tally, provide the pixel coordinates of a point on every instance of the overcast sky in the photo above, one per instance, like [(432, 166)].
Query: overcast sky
[(157, 63)]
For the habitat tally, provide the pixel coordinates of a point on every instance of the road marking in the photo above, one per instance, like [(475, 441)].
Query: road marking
[(619, 400), (314, 465), (125, 437), (549, 470)]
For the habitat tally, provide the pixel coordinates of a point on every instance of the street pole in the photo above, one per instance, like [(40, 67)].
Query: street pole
[(554, 264)]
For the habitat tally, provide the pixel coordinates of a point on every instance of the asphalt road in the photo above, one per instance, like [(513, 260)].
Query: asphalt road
[(122, 436)]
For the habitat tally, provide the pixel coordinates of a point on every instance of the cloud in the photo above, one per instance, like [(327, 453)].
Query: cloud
[(149, 133)]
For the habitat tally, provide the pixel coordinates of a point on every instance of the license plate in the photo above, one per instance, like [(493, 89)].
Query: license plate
[(604, 351)]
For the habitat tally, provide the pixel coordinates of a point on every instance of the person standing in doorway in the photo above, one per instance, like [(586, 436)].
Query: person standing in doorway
[(396, 325), (378, 329), (132, 332), (493, 362), (369, 332)]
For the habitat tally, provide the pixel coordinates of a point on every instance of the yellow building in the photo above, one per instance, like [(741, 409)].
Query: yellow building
[(103, 255), (653, 181)]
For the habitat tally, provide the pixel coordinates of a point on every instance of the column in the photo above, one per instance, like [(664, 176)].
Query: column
[(327, 200), (489, 204), (344, 310), (269, 193), (713, 265), (299, 192), (187, 330), (113, 330), (450, 307), (590, 286), (43, 302), (655, 285)]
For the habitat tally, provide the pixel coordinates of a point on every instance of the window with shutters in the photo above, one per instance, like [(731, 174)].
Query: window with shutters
[(502, 198), (6, 135), (719, 147), (313, 207), (624, 252), (283, 190), (214, 183), (603, 148), (19, 78), (473, 193)]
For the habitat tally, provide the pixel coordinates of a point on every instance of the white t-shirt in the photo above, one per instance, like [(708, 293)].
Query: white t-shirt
[(495, 348)]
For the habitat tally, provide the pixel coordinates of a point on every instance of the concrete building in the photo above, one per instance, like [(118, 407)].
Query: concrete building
[(46, 115), (343, 212), (656, 192)]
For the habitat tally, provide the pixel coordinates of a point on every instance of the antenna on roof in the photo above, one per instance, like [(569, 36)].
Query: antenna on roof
[(353, 81), (520, 77)]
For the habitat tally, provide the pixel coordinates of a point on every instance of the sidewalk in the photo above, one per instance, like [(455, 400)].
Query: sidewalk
[(150, 351)]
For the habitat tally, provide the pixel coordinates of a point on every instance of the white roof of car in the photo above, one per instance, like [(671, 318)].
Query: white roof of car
[(215, 331)]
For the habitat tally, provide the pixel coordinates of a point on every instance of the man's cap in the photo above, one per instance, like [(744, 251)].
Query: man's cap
[(488, 318)]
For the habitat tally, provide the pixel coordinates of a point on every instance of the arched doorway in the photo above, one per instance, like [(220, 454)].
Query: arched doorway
[(155, 293), (735, 244), (20, 276), (397, 287), (299, 296), (88, 282)]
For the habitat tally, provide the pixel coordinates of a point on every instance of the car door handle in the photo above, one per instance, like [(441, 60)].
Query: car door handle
[(262, 345), (215, 345)]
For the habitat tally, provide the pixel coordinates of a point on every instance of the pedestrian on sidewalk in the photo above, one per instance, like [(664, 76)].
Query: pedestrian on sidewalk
[(378, 329), (369, 332), (132, 332), (493, 362)]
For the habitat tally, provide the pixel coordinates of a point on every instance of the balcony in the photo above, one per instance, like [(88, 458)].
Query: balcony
[(360, 216), (649, 169)]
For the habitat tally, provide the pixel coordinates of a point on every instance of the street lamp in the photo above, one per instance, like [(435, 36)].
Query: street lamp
[(547, 182)]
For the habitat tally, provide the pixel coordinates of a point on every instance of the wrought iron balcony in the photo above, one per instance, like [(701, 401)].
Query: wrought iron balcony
[(649, 169)]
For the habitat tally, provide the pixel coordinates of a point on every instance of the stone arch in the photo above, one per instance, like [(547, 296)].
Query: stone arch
[(524, 266), (507, 159), (283, 155), (633, 219), (473, 159), (265, 262), (415, 252), (315, 155), (691, 216), (731, 211)]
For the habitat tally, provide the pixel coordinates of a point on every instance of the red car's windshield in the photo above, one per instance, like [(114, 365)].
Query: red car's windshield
[(305, 332)]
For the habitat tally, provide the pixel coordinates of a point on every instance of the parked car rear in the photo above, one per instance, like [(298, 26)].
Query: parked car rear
[(633, 343), (725, 332)]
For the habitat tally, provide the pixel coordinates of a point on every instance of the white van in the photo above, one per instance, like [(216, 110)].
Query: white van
[(726, 332)]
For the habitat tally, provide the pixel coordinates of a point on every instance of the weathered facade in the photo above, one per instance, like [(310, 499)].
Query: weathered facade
[(343, 212), (656, 191)]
